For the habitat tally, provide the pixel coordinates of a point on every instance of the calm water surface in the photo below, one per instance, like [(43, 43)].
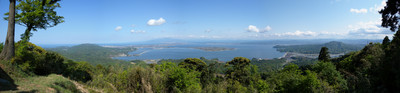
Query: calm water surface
[(187, 51)]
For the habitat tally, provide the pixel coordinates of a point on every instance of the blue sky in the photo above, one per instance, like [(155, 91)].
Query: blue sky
[(117, 21)]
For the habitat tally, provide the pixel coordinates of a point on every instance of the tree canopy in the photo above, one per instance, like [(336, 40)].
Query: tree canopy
[(324, 54), (37, 14)]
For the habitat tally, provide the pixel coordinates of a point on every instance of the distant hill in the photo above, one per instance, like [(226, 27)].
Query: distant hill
[(92, 53), (334, 47)]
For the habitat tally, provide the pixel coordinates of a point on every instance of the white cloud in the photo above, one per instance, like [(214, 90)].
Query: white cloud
[(133, 25), (297, 33), (362, 10), (379, 7), (137, 31), (326, 33), (118, 28), (154, 22), (268, 28), (252, 28), (368, 28)]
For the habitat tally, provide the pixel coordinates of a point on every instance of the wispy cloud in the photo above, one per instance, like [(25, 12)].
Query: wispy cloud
[(154, 22), (252, 28), (368, 28), (118, 28), (297, 33), (137, 31), (362, 10)]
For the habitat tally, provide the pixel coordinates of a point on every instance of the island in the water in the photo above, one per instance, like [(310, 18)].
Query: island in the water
[(214, 48)]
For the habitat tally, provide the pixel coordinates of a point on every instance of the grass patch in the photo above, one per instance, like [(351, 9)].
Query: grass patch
[(50, 83)]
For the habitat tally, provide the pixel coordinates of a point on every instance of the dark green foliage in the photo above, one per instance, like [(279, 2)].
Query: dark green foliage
[(391, 70), (239, 69), (268, 65), (386, 41), (324, 55), (79, 71), (363, 69), (180, 79), (327, 72), (303, 61), (291, 80), (390, 15), (241, 75), (1, 46), (32, 58), (94, 54), (334, 46), (36, 14), (193, 64)]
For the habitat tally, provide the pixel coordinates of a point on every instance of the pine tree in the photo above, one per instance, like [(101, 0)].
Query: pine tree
[(324, 54), (386, 41)]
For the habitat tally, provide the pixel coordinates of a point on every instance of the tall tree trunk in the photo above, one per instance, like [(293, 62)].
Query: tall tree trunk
[(9, 49), (25, 36)]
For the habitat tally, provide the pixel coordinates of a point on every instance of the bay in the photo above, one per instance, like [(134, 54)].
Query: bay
[(259, 51)]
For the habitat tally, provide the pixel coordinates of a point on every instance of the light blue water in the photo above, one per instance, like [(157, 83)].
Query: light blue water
[(186, 51)]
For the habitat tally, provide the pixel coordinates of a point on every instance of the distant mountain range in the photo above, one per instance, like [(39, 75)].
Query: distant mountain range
[(334, 47), (268, 42)]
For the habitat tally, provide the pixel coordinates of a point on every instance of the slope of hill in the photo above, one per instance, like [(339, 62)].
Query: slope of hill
[(92, 53), (333, 46)]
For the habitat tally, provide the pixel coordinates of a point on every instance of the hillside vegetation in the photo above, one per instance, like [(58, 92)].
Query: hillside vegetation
[(359, 71), (92, 53), (334, 48)]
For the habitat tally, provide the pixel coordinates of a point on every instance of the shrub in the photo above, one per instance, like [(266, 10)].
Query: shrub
[(79, 71), (32, 58)]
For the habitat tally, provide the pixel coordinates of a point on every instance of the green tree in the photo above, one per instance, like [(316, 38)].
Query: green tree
[(292, 80), (9, 50), (241, 75), (386, 41), (194, 64), (324, 54), (328, 73), (37, 14), (390, 15), (238, 69), (390, 19)]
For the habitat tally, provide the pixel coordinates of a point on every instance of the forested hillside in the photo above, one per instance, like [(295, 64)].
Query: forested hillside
[(334, 48), (92, 53)]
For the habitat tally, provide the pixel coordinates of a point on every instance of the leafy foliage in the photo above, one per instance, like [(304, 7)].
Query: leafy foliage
[(37, 14), (193, 64), (324, 55), (32, 58), (268, 65)]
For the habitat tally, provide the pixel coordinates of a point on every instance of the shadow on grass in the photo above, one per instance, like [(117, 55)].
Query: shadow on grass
[(6, 82)]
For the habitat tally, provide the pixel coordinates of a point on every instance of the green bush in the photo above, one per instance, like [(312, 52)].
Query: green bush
[(32, 58), (79, 71)]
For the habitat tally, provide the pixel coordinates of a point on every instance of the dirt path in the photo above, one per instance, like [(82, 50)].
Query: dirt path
[(84, 89)]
